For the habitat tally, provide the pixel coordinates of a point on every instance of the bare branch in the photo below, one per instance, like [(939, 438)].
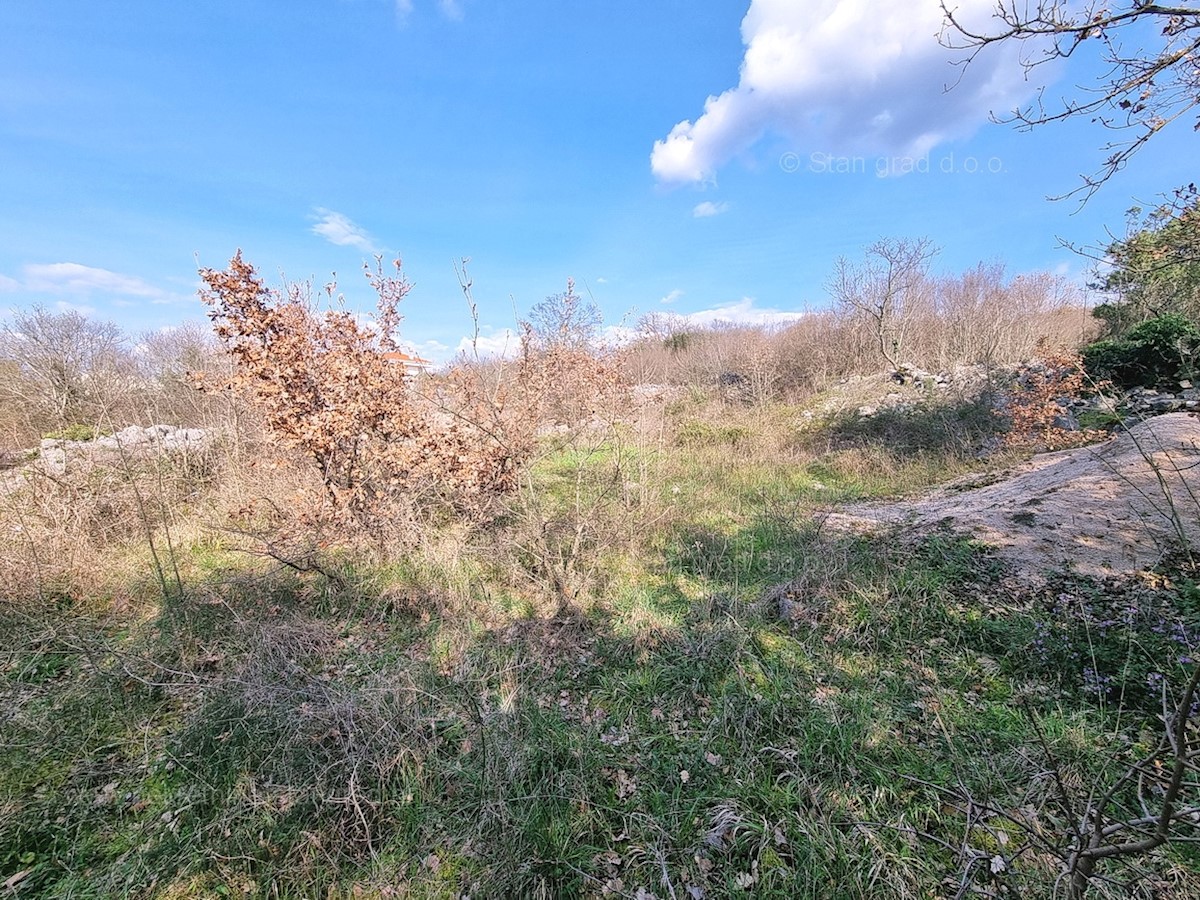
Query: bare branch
[(1144, 90)]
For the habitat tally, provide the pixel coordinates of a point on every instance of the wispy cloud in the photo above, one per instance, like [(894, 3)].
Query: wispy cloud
[(341, 231), (76, 278), (73, 286), (672, 297), (708, 208), (83, 309), (844, 76)]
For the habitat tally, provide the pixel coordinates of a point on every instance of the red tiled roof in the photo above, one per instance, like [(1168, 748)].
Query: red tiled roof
[(398, 356)]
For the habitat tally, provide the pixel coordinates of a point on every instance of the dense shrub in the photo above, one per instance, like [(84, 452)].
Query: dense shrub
[(1155, 270), (1157, 353)]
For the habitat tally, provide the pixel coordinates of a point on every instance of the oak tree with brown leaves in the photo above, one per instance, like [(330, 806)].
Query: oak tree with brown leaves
[(327, 388)]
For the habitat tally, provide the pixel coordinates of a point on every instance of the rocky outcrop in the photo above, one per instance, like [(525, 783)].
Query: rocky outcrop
[(57, 456), (1138, 403), (1108, 508), (918, 386)]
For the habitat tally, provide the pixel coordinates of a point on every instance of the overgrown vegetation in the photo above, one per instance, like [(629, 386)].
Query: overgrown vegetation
[(1155, 270), (573, 625), (1160, 352)]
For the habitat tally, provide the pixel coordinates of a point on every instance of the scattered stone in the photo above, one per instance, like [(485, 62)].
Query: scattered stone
[(1066, 422), (734, 387), (56, 456)]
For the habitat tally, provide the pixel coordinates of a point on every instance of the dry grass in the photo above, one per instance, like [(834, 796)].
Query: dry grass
[(651, 673)]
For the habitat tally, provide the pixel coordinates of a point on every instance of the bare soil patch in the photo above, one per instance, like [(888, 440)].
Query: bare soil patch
[(1109, 508)]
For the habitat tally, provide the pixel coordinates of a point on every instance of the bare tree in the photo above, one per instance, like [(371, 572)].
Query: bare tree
[(565, 320), (884, 289), (1141, 91), (72, 369), (663, 327), (172, 365)]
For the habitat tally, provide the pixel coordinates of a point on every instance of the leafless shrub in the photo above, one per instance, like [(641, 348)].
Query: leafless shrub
[(886, 291), (170, 364), (564, 321), (565, 516), (935, 322), (65, 533), (68, 370), (1081, 832), (980, 317)]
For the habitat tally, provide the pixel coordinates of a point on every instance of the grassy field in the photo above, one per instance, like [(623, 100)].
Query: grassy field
[(657, 675)]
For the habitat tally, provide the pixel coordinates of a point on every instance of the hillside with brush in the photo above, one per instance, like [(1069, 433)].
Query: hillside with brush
[(900, 600)]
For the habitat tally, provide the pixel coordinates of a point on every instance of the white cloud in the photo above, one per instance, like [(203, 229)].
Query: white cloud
[(844, 76), (601, 280), (74, 278), (338, 229), (404, 8), (504, 343), (708, 208), (672, 297), (743, 312), (432, 350), (78, 282)]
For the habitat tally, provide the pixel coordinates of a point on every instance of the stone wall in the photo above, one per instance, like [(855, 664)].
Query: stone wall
[(57, 457)]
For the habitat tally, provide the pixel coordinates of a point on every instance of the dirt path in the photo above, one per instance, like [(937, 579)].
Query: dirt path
[(1109, 508)]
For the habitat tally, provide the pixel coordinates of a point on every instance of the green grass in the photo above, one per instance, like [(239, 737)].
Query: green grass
[(743, 705), (76, 433)]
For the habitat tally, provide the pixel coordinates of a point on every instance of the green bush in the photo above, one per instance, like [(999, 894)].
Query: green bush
[(679, 341), (1157, 353), (957, 428), (75, 432), (702, 434)]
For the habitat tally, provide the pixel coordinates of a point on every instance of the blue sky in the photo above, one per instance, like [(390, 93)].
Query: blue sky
[(712, 159)]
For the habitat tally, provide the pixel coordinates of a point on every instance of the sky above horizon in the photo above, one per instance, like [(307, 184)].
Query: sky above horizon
[(712, 160)]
